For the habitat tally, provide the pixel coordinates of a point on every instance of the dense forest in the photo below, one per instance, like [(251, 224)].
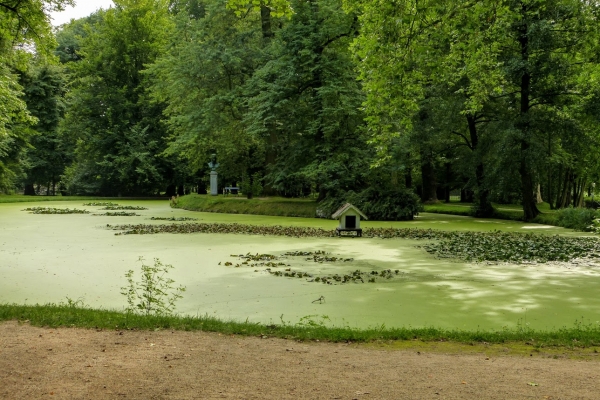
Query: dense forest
[(388, 103)]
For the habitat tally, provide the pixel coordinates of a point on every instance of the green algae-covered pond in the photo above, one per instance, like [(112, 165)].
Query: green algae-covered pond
[(47, 258)]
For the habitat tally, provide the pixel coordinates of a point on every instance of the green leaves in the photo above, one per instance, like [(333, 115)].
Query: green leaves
[(52, 210), (154, 293), (514, 247), (468, 246), (278, 8)]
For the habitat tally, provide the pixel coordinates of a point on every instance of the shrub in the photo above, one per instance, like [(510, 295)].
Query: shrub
[(377, 204), (579, 219), (154, 294)]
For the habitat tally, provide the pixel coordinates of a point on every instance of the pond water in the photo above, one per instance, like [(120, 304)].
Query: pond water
[(47, 258)]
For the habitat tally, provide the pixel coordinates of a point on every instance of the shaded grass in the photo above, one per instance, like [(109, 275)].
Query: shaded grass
[(511, 212), (580, 335), (275, 206)]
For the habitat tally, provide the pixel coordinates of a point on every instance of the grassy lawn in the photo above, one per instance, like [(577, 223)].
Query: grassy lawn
[(503, 211)]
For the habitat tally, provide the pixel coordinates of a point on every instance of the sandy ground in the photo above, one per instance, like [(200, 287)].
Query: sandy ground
[(88, 364)]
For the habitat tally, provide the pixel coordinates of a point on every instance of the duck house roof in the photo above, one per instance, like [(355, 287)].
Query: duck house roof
[(345, 208)]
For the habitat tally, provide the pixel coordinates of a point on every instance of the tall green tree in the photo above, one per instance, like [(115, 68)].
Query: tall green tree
[(116, 128), (308, 98), (201, 78), (24, 29), (49, 154), (517, 62)]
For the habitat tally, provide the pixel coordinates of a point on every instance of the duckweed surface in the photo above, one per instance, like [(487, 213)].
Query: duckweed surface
[(45, 258)]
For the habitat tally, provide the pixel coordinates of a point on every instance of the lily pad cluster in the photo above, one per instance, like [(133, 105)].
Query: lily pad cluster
[(272, 263), (100, 204), (257, 260), (114, 207), (173, 219), (468, 246), (51, 210), (513, 247), (356, 276), (277, 230), (118, 214)]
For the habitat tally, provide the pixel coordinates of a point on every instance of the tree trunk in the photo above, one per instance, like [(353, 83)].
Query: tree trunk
[(483, 206), (408, 175), (428, 179), (538, 196), (265, 22), (29, 190), (530, 209)]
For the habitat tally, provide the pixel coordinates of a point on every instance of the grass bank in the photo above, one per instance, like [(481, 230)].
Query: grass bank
[(306, 208), (276, 206), (580, 335)]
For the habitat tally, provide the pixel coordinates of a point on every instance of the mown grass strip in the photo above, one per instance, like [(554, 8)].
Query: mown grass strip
[(581, 335)]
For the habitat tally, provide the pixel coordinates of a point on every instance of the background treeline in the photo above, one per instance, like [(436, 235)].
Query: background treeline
[(377, 102)]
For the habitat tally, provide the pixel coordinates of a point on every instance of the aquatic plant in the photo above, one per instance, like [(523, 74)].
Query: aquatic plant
[(118, 214), (174, 219), (101, 204), (115, 207), (513, 247), (468, 246), (51, 210), (271, 263)]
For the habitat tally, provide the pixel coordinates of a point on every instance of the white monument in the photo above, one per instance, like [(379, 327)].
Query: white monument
[(214, 181)]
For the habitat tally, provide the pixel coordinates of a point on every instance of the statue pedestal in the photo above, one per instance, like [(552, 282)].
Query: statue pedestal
[(214, 187)]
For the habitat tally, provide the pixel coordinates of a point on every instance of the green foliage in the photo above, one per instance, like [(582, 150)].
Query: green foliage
[(52, 210), (507, 69), (154, 293), (579, 219), (236, 205), (468, 246), (305, 103), (24, 27), (46, 160), (109, 116), (256, 187), (514, 247), (113, 207), (277, 8), (118, 214), (379, 204), (200, 78)]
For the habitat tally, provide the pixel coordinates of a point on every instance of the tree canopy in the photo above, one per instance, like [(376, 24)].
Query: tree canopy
[(340, 99)]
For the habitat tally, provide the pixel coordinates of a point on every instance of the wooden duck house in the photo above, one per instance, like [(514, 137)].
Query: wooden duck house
[(349, 217)]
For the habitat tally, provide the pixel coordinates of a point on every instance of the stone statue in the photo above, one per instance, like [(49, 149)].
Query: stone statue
[(213, 164)]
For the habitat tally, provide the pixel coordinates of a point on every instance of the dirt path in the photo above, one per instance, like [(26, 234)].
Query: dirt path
[(87, 364)]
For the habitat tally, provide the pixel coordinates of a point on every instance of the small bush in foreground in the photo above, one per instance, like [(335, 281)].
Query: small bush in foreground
[(154, 294)]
